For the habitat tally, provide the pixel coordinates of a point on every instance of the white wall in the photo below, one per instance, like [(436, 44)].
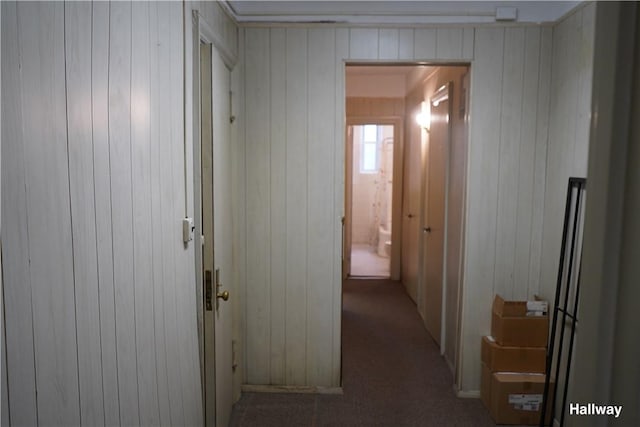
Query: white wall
[(375, 85), (569, 121), (607, 368), (99, 288), (294, 144)]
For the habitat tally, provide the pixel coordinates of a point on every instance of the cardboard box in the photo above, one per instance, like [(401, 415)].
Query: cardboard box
[(514, 398), (506, 308), (514, 324), (499, 358), (485, 386)]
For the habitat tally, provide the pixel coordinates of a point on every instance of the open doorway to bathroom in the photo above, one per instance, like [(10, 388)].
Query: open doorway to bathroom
[(411, 209), (374, 171), (371, 161)]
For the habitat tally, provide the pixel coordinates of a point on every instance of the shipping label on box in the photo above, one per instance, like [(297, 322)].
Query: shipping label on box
[(526, 402), (537, 308), (516, 398)]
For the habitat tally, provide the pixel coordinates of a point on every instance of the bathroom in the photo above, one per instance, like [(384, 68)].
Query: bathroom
[(372, 183)]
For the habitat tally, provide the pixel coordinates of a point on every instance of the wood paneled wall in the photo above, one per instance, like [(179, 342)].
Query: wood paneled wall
[(507, 156), (569, 123), (294, 97), (98, 286)]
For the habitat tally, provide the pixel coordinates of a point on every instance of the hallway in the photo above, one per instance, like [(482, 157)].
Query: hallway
[(393, 374)]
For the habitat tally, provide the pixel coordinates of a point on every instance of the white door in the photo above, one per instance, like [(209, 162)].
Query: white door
[(348, 200), (223, 227), (216, 227), (433, 227)]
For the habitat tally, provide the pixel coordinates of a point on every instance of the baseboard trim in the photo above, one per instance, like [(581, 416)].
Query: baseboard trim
[(472, 394), (257, 388)]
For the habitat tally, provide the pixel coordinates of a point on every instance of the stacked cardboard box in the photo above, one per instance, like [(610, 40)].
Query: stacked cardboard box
[(513, 361)]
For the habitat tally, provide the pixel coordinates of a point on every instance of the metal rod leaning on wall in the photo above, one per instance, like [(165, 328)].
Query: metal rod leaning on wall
[(577, 185)]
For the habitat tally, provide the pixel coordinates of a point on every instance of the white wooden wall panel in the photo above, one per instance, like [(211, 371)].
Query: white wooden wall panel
[(156, 100), (526, 163), (41, 39), (296, 209), (171, 206), (363, 43), (102, 197), (405, 43), (388, 47), (449, 43), (320, 212), (510, 128), (540, 166), (510, 73), (278, 185), (122, 208), (188, 364), (107, 333), (585, 80), (482, 199), (568, 129), (15, 239), (142, 223), (468, 40), (78, 19), (258, 210), (424, 43), (167, 211)]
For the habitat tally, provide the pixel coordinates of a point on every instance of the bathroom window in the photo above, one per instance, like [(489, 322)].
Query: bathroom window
[(369, 162)]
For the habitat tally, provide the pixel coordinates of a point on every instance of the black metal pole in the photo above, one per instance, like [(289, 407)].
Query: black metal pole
[(551, 345)]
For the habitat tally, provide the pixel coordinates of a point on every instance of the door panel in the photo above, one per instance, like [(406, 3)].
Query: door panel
[(206, 167), (223, 227), (348, 208), (216, 227), (434, 218), (411, 205)]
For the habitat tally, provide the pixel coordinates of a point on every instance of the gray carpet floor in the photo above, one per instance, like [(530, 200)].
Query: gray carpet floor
[(393, 374)]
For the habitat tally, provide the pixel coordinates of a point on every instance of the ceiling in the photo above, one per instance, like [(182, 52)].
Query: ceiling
[(397, 12)]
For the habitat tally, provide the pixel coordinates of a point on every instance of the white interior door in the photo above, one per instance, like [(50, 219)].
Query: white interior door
[(348, 200), (223, 227), (433, 227), (216, 229)]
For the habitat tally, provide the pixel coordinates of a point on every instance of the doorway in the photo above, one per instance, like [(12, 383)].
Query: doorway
[(372, 149), (213, 222), (429, 105)]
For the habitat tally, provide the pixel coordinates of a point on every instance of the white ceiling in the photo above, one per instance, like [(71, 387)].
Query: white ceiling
[(398, 12)]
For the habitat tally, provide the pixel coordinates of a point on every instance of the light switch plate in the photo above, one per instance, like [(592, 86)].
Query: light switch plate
[(187, 230)]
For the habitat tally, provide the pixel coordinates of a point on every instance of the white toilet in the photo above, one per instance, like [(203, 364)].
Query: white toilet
[(384, 242)]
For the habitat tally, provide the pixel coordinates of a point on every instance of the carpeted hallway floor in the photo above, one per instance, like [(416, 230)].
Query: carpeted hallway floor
[(393, 374)]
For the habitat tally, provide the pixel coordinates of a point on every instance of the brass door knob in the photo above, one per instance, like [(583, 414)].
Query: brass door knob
[(224, 295)]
